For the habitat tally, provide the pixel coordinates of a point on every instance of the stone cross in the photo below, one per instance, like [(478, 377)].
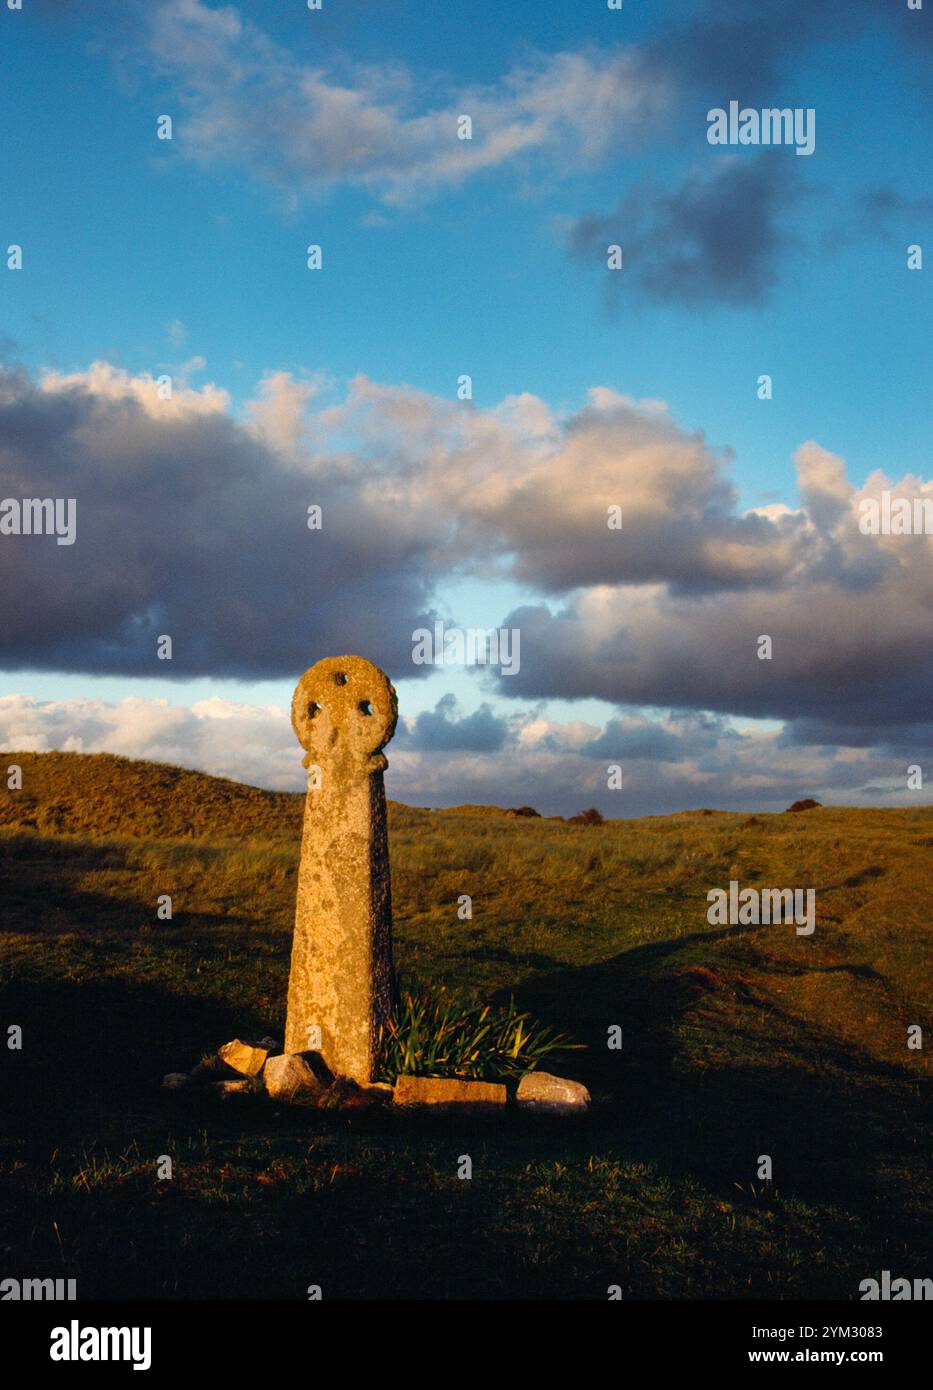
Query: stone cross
[(341, 984)]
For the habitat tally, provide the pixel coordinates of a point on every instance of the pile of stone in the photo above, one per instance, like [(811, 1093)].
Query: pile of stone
[(250, 1068), (303, 1079)]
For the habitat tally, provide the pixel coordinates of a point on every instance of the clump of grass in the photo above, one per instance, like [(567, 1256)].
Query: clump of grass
[(459, 1036), (215, 1066)]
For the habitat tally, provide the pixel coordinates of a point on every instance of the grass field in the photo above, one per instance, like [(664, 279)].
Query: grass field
[(737, 1042)]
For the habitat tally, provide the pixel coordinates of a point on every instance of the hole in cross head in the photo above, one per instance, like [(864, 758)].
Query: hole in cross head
[(341, 678), (365, 707)]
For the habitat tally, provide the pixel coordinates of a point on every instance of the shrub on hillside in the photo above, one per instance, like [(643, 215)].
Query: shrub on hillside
[(445, 1035)]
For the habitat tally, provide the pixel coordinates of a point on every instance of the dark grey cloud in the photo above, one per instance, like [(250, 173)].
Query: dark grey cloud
[(757, 50), (651, 741), (885, 210), (442, 730), (719, 238), (912, 739), (842, 658), (646, 741), (727, 234), (192, 526)]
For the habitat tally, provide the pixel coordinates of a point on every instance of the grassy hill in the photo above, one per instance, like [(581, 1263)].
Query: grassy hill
[(737, 1042), (99, 795)]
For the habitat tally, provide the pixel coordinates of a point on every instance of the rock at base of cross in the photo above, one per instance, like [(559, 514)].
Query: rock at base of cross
[(450, 1093), (243, 1057), (551, 1095)]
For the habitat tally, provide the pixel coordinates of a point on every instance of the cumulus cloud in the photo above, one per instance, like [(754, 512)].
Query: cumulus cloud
[(501, 485), (192, 522), (194, 525), (856, 653)]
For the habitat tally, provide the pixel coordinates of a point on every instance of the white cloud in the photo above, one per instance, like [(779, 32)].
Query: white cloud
[(250, 743), (551, 769), (107, 384), (250, 102)]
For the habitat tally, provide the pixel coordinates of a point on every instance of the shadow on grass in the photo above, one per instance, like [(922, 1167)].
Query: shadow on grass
[(41, 892), (266, 1200), (832, 1117), (95, 1051)]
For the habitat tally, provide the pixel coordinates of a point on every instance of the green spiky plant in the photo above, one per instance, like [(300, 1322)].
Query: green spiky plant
[(438, 1034)]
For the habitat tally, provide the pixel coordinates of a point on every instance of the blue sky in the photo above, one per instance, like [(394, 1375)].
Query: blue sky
[(148, 255)]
